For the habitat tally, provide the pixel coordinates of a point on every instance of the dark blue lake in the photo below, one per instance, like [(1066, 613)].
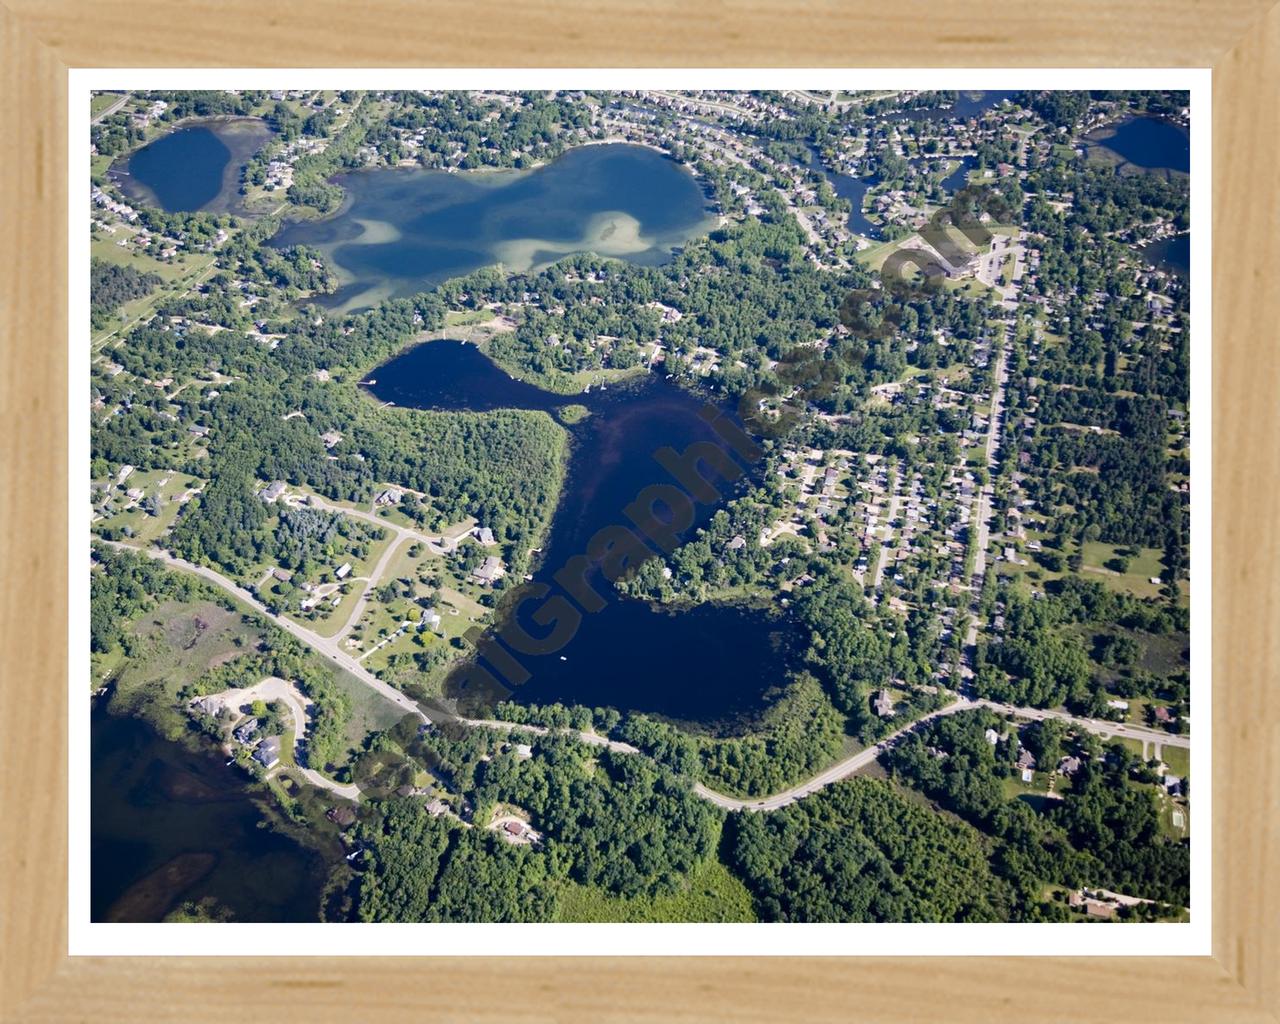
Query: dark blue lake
[(1173, 254), (956, 178), (194, 168), (169, 824), (401, 231), (972, 103), (708, 665), (1150, 143)]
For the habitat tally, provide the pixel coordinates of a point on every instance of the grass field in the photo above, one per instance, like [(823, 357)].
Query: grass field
[(370, 712), (178, 276), (467, 317), (1136, 579), (1178, 759), (101, 101), (176, 644), (165, 486), (710, 893)]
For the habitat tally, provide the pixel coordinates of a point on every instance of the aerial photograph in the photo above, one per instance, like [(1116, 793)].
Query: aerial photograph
[(639, 506)]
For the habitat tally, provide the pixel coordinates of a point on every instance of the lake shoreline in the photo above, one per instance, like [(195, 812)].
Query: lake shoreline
[(228, 199), (195, 776), (616, 200)]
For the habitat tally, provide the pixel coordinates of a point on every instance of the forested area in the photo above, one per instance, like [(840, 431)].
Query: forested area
[(799, 734), (1104, 831), (1042, 659), (456, 129), (503, 467), (617, 824), (746, 289), (111, 285), (1108, 389), (126, 586), (420, 869), (860, 851)]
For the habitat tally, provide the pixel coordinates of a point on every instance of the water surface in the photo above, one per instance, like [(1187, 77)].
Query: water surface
[(1172, 254), (404, 230), (709, 665), (1149, 143), (168, 825), (195, 168)]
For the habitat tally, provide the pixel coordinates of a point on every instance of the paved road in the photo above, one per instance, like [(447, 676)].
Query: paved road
[(1099, 726), (882, 559), (273, 688), (593, 738), (839, 770), (983, 509), (835, 773), (401, 532), (850, 765), (328, 647), (112, 109), (399, 535)]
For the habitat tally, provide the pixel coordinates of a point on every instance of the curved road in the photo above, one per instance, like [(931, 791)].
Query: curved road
[(841, 770), (399, 535), (328, 647)]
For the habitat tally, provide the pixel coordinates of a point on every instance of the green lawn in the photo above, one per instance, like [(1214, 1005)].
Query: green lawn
[(466, 317), (176, 643), (100, 101), (710, 893), (1178, 759), (165, 486), (370, 712)]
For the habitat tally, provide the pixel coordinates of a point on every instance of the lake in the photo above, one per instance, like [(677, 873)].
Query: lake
[(169, 824), (1172, 254), (401, 231), (196, 167), (708, 666), (968, 104), (1149, 143)]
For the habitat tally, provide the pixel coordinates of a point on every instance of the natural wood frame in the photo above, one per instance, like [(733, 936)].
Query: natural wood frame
[(40, 39)]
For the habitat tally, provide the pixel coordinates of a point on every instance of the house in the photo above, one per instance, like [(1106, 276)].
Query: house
[(268, 752), (1026, 759), (437, 807), (1118, 705), (246, 730), (343, 817), (737, 543), (991, 736), (343, 571), (330, 438), (1173, 785), (883, 704), (485, 536), (272, 491), (430, 619), (513, 828), (207, 705), (1163, 715), (490, 572), (283, 575), (391, 496), (1069, 765)]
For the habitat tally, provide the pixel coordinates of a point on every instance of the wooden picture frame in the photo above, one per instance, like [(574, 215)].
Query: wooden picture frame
[(41, 39)]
